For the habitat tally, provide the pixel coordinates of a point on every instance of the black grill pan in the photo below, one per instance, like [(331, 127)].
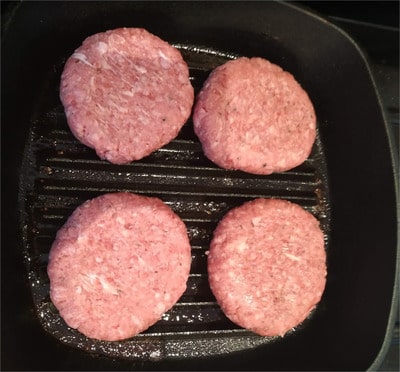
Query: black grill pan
[(59, 174), (341, 184)]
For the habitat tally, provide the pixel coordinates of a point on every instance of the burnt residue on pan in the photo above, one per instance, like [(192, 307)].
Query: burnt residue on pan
[(59, 173)]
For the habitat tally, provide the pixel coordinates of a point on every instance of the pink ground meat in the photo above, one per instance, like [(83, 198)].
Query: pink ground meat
[(126, 93), (120, 261), (253, 116), (267, 266)]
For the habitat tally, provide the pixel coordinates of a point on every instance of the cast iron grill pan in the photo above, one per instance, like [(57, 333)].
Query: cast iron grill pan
[(59, 174)]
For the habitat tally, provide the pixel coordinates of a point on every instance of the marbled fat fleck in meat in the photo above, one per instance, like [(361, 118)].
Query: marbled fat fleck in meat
[(120, 261), (267, 266), (253, 116), (126, 93)]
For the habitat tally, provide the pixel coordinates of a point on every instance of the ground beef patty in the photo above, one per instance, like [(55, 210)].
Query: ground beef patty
[(266, 265), (253, 116), (126, 93), (119, 262)]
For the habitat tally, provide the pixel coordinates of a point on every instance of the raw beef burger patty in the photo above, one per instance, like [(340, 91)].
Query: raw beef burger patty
[(266, 265), (126, 93), (253, 116), (119, 262)]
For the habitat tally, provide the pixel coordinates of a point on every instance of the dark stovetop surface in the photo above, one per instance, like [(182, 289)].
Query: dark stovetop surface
[(375, 27)]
